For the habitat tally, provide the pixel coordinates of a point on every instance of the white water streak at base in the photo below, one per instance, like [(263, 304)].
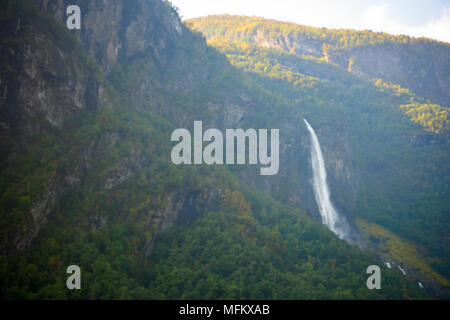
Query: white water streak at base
[(402, 270)]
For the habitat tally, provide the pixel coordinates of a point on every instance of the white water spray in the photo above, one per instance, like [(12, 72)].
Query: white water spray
[(330, 216), (402, 270)]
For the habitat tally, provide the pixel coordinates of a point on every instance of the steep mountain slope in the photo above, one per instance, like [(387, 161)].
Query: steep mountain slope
[(96, 186), (421, 65), (383, 167)]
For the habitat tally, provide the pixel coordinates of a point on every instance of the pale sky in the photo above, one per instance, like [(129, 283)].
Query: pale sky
[(427, 18)]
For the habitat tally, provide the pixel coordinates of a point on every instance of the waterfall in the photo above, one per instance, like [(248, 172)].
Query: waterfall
[(330, 216)]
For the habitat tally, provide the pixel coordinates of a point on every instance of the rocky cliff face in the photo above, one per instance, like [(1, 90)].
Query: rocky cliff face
[(47, 79), (406, 65), (131, 36), (42, 83), (50, 78), (183, 208), (113, 31)]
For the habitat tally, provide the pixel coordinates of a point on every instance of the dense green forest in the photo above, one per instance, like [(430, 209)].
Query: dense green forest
[(142, 228), (406, 184), (417, 196)]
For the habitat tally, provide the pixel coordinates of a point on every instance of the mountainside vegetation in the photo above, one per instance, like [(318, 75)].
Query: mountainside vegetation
[(419, 64), (86, 176), (404, 171)]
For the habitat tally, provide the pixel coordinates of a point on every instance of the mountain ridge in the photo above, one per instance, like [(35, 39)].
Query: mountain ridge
[(345, 48), (276, 22)]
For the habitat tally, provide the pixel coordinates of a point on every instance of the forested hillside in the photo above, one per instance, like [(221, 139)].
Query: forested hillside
[(86, 177), (421, 65), (403, 170)]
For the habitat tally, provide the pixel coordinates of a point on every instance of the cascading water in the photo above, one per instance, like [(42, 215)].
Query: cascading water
[(330, 216)]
